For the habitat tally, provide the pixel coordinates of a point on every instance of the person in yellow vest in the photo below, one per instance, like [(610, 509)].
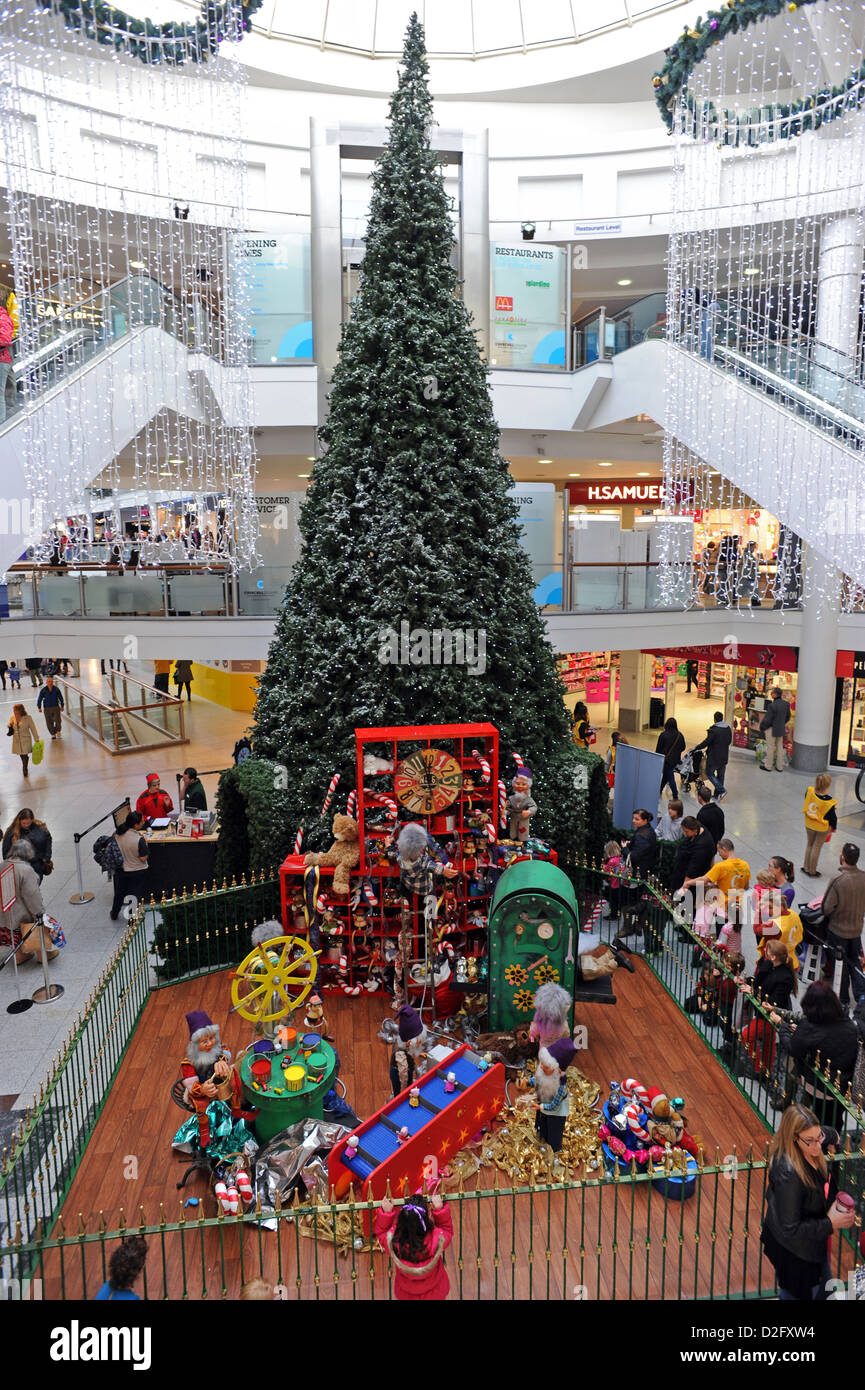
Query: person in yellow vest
[(818, 809), (780, 923)]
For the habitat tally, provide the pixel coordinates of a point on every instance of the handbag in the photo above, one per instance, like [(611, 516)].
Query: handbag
[(47, 867), (37, 752)]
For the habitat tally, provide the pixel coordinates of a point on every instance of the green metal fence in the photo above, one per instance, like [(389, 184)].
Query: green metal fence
[(604, 1238), (742, 1037)]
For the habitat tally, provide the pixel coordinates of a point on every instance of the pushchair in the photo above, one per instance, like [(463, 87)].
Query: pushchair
[(689, 768), (817, 951)]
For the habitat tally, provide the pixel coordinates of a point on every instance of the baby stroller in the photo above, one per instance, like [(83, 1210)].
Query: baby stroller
[(689, 768)]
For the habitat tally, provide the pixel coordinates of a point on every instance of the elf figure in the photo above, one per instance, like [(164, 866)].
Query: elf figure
[(520, 806), (314, 1020), (407, 1049), (551, 1090), (213, 1089)]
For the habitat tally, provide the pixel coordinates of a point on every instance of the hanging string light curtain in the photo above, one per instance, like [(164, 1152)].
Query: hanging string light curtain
[(125, 190), (765, 293)]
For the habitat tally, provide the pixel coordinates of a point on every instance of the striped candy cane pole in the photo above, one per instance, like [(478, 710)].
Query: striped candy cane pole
[(369, 893), (635, 1090), (379, 799), (351, 809), (594, 922), (518, 760), (484, 765), (632, 1114), (330, 791), (503, 806), (298, 840), (490, 832)]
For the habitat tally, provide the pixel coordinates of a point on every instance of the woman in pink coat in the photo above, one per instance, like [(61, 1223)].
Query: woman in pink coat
[(416, 1239)]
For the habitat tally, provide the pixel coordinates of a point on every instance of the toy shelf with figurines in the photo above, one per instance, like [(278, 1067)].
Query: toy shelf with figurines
[(445, 777)]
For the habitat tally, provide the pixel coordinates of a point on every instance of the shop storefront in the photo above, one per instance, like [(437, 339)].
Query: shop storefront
[(848, 729), (740, 681)]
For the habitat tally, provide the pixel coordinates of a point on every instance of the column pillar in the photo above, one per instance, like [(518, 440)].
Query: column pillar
[(635, 691), (325, 253), (815, 689), (839, 280), (475, 234)]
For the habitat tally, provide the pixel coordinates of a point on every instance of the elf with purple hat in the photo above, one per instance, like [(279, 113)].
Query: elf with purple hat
[(551, 1089), (521, 807), (407, 1048), (213, 1091)]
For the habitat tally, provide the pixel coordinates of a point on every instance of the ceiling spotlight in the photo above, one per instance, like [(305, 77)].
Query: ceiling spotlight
[(624, 282), (644, 475), (602, 464), (181, 211), (310, 458), (575, 475), (136, 265), (303, 475), (528, 231), (545, 460), (752, 270)]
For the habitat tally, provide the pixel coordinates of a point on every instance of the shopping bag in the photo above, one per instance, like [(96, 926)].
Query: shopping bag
[(38, 752)]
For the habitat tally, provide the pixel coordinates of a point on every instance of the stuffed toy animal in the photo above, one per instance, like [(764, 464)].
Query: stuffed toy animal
[(343, 855), (514, 1047)]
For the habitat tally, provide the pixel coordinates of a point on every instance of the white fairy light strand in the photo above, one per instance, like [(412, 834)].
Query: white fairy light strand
[(746, 305), (124, 278)]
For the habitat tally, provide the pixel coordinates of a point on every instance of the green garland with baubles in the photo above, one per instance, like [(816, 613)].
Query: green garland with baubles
[(763, 123), (169, 43)]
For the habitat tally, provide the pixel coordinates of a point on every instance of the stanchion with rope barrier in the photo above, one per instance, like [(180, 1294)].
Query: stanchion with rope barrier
[(81, 897), (47, 992)]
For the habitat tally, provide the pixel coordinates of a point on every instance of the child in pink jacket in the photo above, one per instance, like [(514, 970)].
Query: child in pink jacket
[(416, 1238)]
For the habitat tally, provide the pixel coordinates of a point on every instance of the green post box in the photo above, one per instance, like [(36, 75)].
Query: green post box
[(533, 926)]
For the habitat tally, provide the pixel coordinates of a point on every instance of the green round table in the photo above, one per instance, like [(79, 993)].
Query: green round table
[(277, 1106)]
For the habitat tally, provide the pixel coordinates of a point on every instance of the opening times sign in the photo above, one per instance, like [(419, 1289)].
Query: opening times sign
[(528, 310)]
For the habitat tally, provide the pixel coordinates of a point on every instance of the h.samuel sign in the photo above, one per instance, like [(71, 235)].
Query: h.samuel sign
[(622, 490)]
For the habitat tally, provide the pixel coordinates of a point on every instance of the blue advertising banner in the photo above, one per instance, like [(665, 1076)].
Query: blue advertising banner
[(638, 784), (537, 519), (528, 313), (274, 271)]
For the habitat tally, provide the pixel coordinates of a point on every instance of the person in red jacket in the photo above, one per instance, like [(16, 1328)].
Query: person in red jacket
[(154, 803), (7, 377), (416, 1239)]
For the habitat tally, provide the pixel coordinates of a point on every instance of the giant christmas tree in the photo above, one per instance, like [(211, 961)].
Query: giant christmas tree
[(408, 528)]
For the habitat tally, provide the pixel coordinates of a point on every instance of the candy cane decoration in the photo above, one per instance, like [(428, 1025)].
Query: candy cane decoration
[(298, 840), (351, 809), (490, 832), (518, 760), (484, 765), (635, 1090), (343, 983), (633, 1113), (594, 922), (503, 805), (330, 791), (379, 799)]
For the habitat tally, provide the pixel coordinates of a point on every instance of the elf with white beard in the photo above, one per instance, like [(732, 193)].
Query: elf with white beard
[(213, 1090), (551, 1091)]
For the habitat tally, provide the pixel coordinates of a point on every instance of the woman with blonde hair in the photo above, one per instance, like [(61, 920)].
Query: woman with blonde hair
[(801, 1212), (818, 808), (24, 734)]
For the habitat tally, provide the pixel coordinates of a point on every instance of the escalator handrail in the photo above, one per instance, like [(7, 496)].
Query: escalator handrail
[(785, 387)]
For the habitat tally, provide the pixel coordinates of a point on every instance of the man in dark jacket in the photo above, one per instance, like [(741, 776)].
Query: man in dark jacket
[(844, 909), (694, 853), (710, 816), (773, 725), (717, 745)]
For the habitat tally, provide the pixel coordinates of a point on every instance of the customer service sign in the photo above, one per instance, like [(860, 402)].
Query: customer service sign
[(528, 310)]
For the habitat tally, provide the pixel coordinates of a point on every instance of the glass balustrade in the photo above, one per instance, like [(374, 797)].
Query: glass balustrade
[(137, 717)]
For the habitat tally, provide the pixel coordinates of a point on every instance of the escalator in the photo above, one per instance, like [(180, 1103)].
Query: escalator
[(134, 346), (782, 418)]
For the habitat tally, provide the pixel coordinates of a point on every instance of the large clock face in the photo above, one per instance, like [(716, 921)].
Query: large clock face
[(428, 781)]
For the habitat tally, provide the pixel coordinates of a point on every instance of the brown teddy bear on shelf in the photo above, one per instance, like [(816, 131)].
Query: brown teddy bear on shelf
[(343, 855)]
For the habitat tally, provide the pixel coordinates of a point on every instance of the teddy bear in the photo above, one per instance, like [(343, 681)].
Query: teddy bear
[(343, 855)]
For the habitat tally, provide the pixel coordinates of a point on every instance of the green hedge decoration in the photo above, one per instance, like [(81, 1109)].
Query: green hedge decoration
[(778, 121), (170, 43)]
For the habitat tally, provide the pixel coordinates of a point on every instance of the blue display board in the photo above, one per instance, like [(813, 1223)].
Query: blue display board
[(274, 271), (528, 310), (638, 783)]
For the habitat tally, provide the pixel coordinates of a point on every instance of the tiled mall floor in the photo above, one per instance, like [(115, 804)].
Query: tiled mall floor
[(76, 784)]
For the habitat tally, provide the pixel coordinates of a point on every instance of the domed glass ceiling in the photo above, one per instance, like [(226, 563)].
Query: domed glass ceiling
[(454, 28)]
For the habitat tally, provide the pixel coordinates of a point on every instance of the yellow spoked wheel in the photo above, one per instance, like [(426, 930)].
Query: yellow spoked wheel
[(274, 979)]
